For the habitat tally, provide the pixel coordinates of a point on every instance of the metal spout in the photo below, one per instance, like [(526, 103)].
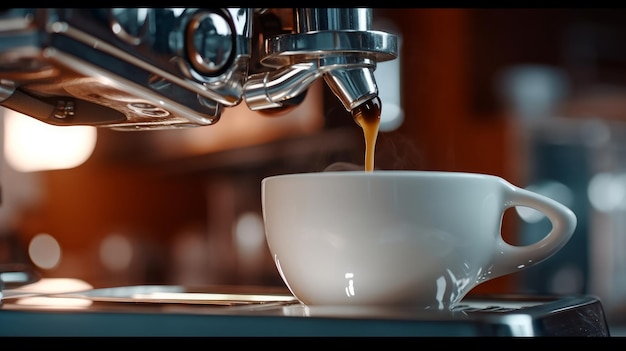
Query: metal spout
[(271, 89), (353, 86), (335, 43)]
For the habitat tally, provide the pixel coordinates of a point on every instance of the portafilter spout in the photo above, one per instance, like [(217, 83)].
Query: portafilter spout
[(336, 43)]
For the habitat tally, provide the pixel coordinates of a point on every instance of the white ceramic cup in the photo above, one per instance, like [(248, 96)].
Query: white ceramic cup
[(419, 239)]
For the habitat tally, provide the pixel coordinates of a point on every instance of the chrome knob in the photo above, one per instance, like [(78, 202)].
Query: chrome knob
[(209, 42)]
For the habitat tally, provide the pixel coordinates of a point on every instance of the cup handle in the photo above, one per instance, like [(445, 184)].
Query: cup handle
[(512, 258)]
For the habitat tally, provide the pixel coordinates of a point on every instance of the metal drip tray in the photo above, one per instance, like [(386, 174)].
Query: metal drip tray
[(262, 311), (171, 294)]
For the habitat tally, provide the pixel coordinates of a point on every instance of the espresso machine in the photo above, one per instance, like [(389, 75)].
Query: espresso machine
[(139, 69)]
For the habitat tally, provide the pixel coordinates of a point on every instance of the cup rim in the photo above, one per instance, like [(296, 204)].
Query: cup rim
[(383, 174)]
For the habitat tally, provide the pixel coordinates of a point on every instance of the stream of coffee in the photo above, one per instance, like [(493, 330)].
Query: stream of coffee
[(367, 116)]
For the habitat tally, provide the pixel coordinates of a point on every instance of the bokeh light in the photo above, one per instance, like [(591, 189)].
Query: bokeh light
[(44, 251)]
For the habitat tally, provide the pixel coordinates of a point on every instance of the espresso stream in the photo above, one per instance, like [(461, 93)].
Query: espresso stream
[(367, 116)]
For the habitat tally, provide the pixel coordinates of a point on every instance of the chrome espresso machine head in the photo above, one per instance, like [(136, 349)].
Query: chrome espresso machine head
[(159, 68)]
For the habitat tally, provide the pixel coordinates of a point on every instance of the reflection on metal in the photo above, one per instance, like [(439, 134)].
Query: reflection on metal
[(95, 66)]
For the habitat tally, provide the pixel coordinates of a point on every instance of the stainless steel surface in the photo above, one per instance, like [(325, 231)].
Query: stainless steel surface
[(336, 43), (163, 68), (262, 311), (84, 56)]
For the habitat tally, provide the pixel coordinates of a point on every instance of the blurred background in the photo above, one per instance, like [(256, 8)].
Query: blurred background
[(536, 96)]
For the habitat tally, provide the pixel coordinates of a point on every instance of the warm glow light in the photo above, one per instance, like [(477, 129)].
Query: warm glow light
[(48, 286), (210, 298), (44, 251), (116, 252), (31, 145), (29, 294), (249, 232), (54, 285), (54, 302)]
